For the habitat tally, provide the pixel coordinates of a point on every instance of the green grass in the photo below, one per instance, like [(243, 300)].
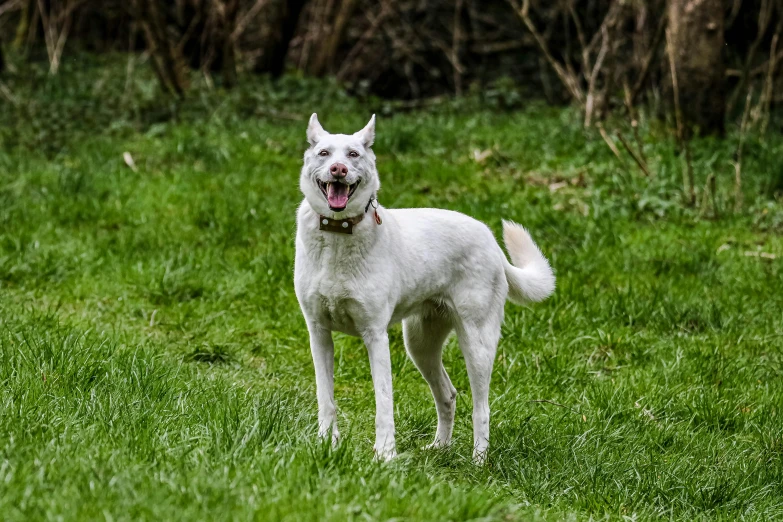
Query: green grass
[(154, 364)]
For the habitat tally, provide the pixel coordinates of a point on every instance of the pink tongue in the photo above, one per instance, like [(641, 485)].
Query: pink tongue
[(337, 195)]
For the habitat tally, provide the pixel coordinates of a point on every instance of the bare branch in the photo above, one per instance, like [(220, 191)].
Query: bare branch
[(645, 70), (688, 183), (599, 61), (738, 159), (455, 48), (765, 15), (249, 15), (766, 96), (11, 6), (568, 80), (611, 145), (366, 36), (636, 158)]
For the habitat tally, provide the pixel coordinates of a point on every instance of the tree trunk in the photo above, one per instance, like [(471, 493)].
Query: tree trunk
[(167, 60), (272, 60), (23, 26), (696, 47), (324, 59), (231, 7)]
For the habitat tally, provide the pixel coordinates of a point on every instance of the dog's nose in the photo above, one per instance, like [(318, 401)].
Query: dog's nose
[(338, 170)]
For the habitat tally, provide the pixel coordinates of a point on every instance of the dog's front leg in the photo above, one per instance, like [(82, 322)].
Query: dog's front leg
[(322, 348), (380, 365)]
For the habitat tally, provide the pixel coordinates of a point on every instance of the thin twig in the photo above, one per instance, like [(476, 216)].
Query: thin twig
[(634, 120), (645, 70), (766, 97), (455, 48), (633, 154), (6, 92), (10, 6), (611, 146), (599, 61), (48, 30), (369, 33), (580, 34), (759, 69), (249, 15), (688, 182), (497, 47), (569, 81), (603, 103), (689, 173), (609, 20), (735, 9), (131, 60), (738, 162), (60, 45), (712, 184), (765, 14), (675, 90), (709, 190)]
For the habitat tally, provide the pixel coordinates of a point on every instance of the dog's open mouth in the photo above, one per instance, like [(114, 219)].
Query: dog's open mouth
[(337, 194)]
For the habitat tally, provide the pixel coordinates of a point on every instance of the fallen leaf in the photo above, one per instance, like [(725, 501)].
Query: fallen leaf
[(480, 156), (554, 187), (129, 161), (765, 255)]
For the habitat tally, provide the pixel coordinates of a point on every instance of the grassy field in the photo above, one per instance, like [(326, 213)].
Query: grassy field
[(154, 363)]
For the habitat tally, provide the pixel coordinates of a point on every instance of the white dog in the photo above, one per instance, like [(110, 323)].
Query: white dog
[(360, 268)]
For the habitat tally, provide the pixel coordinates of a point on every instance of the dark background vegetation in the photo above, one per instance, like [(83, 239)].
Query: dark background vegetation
[(600, 54), (696, 65), (154, 364)]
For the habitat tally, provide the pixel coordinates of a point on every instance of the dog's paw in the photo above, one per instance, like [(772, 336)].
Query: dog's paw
[(480, 457), (334, 435), (385, 453), (437, 444)]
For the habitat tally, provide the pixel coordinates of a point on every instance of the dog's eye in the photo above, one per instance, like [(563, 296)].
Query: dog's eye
[(353, 154), (323, 152)]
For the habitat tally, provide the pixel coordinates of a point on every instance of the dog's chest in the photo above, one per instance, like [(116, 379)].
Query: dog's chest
[(338, 303), (334, 289)]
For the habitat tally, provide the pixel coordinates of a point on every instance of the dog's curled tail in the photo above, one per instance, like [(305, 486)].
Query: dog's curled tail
[(530, 278)]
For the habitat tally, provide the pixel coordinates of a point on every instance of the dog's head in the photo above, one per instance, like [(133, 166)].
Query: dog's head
[(339, 175)]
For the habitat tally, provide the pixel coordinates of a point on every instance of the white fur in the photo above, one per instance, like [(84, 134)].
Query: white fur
[(434, 270)]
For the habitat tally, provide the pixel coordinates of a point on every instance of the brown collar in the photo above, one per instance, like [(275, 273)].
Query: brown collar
[(345, 226), (341, 226)]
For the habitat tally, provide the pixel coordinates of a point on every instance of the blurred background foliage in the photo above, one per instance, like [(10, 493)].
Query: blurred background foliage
[(681, 68), (599, 54)]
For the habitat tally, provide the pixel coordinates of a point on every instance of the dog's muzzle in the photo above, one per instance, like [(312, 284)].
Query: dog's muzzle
[(337, 193)]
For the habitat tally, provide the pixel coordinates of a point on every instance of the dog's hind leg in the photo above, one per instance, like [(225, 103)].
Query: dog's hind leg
[(478, 340), (424, 337)]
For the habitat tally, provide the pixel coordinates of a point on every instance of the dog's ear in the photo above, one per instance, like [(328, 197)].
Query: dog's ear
[(367, 134), (314, 130)]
